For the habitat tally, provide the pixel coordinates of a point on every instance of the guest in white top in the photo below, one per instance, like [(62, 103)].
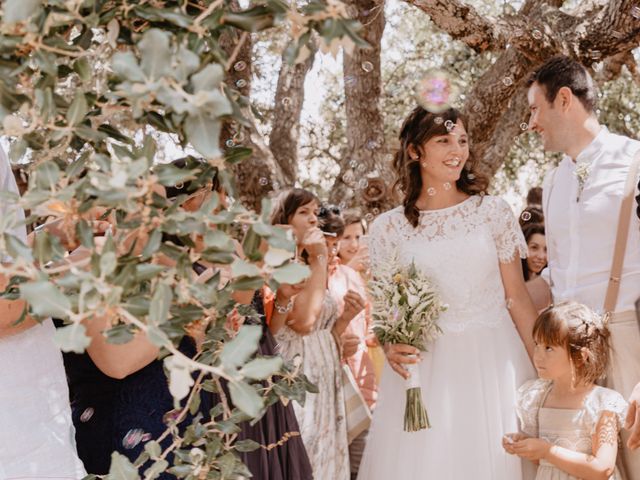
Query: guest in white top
[(36, 433), (582, 199)]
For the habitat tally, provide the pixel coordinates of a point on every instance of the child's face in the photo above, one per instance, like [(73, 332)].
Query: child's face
[(551, 362)]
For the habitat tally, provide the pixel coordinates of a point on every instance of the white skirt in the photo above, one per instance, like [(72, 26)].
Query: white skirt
[(37, 438), (469, 383)]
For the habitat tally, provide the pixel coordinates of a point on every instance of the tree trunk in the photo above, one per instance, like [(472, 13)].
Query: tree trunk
[(257, 175), (285, 131), (366, 161)]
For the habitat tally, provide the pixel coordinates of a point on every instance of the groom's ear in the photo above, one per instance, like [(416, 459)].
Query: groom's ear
[(564, 98)]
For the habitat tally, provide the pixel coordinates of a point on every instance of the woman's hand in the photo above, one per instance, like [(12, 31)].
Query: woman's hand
[(350, 344), (287, 291), (315, 244), (399, 354), (353, 305), (533, 449), (360, 261)]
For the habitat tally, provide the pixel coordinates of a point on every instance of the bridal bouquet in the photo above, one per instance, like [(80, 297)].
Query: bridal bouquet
[(406, 307)]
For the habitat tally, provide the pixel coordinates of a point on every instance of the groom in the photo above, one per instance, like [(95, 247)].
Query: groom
[(36, 433), (581, 202)]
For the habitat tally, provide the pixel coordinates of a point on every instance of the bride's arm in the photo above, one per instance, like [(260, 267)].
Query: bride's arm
[(519, 303)]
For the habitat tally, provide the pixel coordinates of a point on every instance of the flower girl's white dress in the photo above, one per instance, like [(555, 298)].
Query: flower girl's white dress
[(471, 373), (568, 428)]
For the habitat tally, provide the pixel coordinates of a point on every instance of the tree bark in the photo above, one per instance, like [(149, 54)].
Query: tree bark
[(259, 174), (285, 131), (366, 160)]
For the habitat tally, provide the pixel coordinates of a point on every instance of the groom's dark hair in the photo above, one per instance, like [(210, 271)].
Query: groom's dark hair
[(563, 71)]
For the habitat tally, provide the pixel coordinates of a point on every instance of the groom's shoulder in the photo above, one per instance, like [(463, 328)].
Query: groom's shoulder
[(621, 144)]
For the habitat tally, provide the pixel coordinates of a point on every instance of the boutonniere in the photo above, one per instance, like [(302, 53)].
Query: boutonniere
[(582, 171)]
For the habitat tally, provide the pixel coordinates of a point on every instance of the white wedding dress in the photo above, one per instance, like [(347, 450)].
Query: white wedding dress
[(471, 373)]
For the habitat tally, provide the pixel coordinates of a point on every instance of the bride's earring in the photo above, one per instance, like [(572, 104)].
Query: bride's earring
[(424, 164)]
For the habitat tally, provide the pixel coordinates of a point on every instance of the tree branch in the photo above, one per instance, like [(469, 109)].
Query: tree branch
[(461, 21)]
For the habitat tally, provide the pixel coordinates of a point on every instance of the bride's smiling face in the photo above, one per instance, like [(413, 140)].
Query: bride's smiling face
[(442, 157)]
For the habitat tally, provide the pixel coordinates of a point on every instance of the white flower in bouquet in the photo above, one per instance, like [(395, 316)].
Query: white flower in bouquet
[(406, 307)]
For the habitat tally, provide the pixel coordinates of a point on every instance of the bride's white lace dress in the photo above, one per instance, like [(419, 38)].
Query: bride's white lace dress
[(471, 373)]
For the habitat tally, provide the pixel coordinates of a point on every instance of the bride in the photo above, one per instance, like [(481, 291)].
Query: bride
[(470, 245)]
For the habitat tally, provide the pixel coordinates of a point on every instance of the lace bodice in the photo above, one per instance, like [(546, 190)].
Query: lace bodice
[(460, 248), (568, 428)]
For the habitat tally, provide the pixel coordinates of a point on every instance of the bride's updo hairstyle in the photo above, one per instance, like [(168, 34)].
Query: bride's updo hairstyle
[(418, 128)]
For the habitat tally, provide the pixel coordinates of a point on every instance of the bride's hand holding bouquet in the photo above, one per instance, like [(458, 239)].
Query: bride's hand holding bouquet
[(406, 307)]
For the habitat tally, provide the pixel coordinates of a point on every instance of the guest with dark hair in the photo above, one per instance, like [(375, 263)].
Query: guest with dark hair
[(536, 251), (311, 328), (531, 215), (534, 197)]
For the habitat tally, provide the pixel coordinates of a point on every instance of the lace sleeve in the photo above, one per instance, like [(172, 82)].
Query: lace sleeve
[(383, 241), (506, 231), (528, 401), (605, 400)]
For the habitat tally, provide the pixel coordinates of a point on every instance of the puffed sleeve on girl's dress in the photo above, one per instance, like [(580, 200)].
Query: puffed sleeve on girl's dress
[(528, 401), (606, 400)]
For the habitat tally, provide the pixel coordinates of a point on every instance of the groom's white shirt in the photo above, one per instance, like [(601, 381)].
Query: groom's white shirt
[(36, 432), (581, 234)]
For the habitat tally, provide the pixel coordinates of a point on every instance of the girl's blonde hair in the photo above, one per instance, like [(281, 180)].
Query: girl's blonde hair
[(582, 333)]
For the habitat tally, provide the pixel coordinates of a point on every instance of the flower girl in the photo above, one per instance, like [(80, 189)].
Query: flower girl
[(569, 424)]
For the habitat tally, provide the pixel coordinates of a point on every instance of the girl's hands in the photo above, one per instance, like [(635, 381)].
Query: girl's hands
[(399, 354), (509, 439), (353, 305), (533, 449)]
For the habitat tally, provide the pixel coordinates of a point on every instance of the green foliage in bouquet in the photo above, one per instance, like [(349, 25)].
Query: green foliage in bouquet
[(406, 305), (88, 88)]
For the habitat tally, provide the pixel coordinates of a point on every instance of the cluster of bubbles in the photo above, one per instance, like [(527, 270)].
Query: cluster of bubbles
[(436, 92)]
